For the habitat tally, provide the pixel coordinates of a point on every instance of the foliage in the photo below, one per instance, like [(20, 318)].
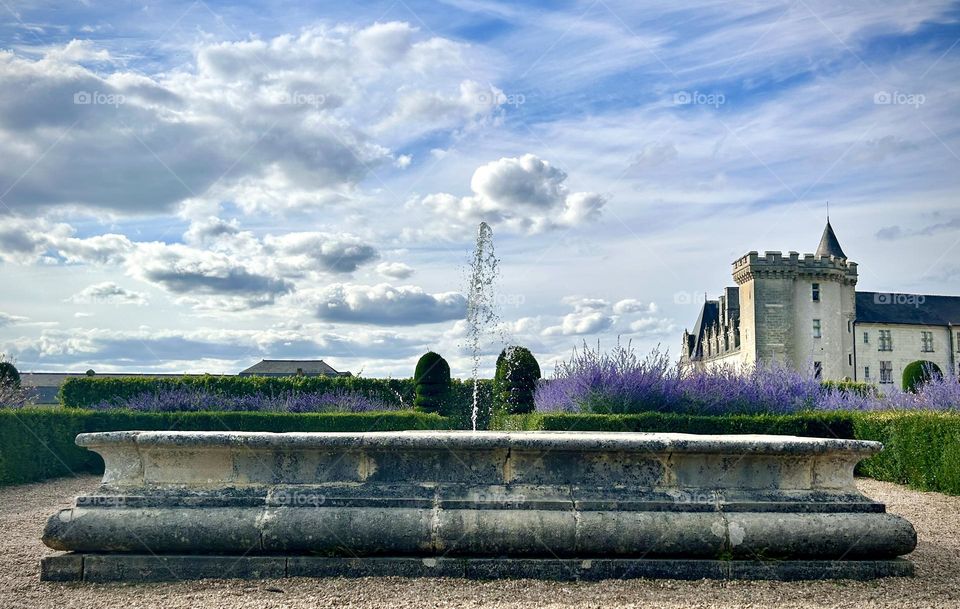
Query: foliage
[(432, 380), (855, 387), (921, 449), (9, 375), (810, 424), (919, 373), (38, 443), (460, 406), (620, 381), (515, 381), (87, 392), (200, 399), (12, 393)]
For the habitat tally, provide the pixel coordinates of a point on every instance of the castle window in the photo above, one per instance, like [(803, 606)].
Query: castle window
[(886, 373), (926, 342), (866, 373), (866, 338), (849, 359), (817, 370), (816, 328), (886, 341), (849, 326), (815, 292)]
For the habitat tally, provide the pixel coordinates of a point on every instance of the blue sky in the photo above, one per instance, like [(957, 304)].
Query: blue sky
[(193, 186)]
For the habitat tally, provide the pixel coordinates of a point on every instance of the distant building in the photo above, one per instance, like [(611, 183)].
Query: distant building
[(804, 311), (292, 367)]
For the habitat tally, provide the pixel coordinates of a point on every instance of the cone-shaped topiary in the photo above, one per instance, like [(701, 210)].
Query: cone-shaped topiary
[(9, 376), (515, 380), (432, 379), (915, 374)]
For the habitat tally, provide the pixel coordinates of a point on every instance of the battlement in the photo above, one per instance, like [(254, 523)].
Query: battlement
[(773, 264)]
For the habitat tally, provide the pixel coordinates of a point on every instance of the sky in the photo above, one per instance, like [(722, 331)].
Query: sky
[(195, 186)]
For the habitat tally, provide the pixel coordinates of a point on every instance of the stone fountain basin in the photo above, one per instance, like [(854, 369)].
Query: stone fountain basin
[(551, 495)]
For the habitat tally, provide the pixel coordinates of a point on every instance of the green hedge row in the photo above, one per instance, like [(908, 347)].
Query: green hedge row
[(820, 425), (921, 449), (38, 443), (85, 392)]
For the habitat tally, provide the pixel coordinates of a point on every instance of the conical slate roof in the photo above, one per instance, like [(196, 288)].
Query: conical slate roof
[(829, 245)]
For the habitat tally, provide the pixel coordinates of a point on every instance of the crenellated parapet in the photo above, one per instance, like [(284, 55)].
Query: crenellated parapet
[(774, 265)]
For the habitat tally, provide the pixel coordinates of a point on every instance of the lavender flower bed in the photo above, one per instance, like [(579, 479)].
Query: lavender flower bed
[(620, 381), (185, 399)]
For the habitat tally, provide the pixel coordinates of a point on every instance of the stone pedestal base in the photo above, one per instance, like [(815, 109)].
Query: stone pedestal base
[(175, 505), (148, 568)]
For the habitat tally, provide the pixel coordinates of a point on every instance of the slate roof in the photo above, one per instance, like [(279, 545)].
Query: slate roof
[(284, 367), (829, 244), (917, 309), (709, 315)]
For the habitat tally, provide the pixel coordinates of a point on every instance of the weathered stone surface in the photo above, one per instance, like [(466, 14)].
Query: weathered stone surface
[(543, 495), (149, 568)]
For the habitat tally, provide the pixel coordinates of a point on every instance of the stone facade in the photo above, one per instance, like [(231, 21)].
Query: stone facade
[(804, 311)]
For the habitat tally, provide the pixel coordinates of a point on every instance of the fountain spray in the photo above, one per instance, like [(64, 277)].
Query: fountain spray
[(482, 313)]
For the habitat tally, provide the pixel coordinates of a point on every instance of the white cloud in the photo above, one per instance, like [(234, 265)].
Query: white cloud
[(290, 118), (584, 322), (395, 270), (108, 292), (384, 304), (526, 194), (197, 275), (299, 252), (6, 319), (631, 305)]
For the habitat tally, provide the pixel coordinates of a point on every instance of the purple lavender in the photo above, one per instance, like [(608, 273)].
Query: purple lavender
[(184, 399), (619, 381)]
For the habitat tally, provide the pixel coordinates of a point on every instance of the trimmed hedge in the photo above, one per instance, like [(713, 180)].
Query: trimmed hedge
[(515, 380), (83, 392), (921, 449), (432, 383), (818, 425), (38, 443), (915, 374)]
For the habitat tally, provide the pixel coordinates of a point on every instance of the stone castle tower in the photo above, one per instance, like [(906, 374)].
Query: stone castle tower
[(795, 309)]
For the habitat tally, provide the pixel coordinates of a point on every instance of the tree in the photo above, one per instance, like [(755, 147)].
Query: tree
[(515, 380), (432, 381)]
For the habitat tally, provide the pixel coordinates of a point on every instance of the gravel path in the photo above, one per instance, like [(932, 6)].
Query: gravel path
[(23, 510)]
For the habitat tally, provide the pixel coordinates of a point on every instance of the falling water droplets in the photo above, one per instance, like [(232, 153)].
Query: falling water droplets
[(482, 314)]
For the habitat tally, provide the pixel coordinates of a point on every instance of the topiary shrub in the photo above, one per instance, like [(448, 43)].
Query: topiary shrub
[(515, 381), (432, 383), (915, 374), (9, 376)]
